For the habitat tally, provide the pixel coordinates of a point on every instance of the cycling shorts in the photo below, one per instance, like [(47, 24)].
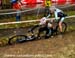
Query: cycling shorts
[(62, 16)]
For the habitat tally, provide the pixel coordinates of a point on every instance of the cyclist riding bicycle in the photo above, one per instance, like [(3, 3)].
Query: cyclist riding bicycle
[(59, 16)]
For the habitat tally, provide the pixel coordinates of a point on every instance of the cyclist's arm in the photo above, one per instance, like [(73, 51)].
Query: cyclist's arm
[(48, 15), (56, 15)]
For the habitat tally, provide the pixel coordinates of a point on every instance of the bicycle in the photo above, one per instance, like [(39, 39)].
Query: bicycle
[(21, 38), (37, 31)]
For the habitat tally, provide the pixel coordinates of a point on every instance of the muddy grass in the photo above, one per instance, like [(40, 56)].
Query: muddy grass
[(44, 48)]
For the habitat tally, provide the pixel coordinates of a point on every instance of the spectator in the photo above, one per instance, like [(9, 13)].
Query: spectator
[(0, 4), (18, 15)]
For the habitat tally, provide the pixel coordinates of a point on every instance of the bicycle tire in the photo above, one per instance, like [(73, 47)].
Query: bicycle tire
[(18, 39), (39, 31), (64, 26), (34, 30)]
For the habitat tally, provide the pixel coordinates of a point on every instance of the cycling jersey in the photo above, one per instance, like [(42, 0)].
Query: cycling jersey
[(59, 15), (43, 21)]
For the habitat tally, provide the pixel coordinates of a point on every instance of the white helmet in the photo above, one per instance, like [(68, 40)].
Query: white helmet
[(52, 8)]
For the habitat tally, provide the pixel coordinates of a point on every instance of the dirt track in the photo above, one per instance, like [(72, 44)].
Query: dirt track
[(49, 46)]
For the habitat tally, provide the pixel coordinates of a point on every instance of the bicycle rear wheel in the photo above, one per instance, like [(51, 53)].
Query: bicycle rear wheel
[(64, 27), (17, 39), (40, 31), (34, 30)]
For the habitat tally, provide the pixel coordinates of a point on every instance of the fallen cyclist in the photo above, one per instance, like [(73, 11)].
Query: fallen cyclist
[(45, 25)]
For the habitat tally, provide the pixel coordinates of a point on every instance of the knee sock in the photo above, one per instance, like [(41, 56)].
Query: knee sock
[(52, 31)]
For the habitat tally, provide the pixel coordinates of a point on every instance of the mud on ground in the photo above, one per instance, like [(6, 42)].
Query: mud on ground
[(47, 48), (55, 47)]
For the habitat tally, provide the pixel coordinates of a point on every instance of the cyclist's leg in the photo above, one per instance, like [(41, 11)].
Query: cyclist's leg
[(60, 24), (50, 26), (40, 30), (47, 35), (43, 29)]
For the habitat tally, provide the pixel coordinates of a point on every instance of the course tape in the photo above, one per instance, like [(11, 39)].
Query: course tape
[(28, 21), (64, 6), (17, 12)]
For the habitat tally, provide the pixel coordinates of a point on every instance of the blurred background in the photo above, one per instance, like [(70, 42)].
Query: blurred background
[(6, 4), (29, 10)]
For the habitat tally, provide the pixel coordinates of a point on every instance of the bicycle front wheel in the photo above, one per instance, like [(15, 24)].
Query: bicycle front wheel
[(17, 39)]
